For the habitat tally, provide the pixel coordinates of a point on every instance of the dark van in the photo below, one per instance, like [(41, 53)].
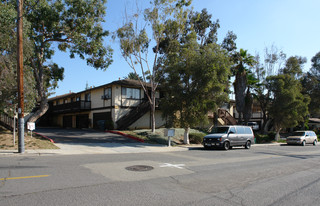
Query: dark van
[(229, 136)]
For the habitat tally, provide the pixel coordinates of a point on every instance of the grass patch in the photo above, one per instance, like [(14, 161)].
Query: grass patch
[(159, 138), (281, 141), (34, 142)]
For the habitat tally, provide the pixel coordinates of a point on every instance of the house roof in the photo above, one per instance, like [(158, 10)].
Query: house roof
[(61, 96), (124, 82)]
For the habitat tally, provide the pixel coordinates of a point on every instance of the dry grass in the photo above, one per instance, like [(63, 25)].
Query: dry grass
[(34, 142)]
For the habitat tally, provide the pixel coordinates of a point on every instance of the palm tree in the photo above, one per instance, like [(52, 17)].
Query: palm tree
[(133, 76), (242, 92)]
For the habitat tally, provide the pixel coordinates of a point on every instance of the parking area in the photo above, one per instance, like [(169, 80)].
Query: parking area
[(87, 141), (82, 136)]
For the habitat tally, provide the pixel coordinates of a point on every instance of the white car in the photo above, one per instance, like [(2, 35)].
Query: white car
[(303, 138)]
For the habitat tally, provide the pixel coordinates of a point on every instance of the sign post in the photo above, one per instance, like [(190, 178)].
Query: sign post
[(169, 133), (14, 125), (31, 126)]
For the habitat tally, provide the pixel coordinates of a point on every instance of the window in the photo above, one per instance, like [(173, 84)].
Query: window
[(65, 101), (232, 130), (130, 93), (107, 93), (240, 130), (78, 98), (87, 97), (298, 134), (220, 130), (248, 130)]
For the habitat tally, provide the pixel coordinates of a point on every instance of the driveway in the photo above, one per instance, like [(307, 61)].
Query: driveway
[(82, 136), (79, 141)]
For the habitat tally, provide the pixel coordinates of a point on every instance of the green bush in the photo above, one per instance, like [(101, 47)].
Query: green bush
[(265, 138), (109, 125), (272, 136), (196, 138)]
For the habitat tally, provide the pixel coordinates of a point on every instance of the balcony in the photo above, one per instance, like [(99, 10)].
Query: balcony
[(72, 107)]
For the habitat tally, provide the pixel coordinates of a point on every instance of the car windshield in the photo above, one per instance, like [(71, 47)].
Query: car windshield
[(220, 130), (298, 134)]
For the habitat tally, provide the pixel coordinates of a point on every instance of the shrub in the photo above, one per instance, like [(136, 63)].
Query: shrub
[(109, 125), (272, 136), (196, 138), (265, 138)]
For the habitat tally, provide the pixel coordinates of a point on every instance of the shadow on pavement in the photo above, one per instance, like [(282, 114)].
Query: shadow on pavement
[(83, 136)]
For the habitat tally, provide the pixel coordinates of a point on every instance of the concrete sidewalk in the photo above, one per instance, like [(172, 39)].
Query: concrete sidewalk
[(108, 148), (98, 148)]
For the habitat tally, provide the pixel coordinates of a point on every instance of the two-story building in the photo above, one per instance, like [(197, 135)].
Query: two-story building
[(120, 104)]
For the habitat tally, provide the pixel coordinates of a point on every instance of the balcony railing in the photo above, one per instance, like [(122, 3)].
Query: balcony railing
[(72, 107)]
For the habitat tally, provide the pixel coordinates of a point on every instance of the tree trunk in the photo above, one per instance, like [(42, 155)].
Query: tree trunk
[(264, 124), (215, 119), (186, 136), (277, 135), (240, 86), (240, 118), (44, 106), (153, 111), (248, 107)]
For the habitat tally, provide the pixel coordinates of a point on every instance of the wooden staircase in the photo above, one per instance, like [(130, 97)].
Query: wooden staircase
[(226, 117), (7, 121), (125, 121)]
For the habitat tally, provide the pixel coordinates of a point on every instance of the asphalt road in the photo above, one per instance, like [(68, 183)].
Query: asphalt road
[(263, 175)]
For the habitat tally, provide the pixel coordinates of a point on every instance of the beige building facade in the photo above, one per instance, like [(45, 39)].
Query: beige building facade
[(120, 104)]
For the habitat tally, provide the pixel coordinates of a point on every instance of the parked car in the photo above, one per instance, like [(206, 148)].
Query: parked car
[(254, 125), (229, 136), (303, 138)]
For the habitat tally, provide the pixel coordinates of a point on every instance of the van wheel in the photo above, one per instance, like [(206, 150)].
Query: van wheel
[(303, 143), (226, 145), (247, 145), (315, 142)]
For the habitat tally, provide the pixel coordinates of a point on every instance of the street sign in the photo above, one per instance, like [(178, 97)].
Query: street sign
[(31, 126), (169, 133)]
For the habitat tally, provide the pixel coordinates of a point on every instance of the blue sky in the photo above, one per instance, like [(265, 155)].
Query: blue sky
[(290, 25)]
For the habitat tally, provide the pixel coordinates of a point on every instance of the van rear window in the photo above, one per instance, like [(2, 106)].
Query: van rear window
[(248, 130)]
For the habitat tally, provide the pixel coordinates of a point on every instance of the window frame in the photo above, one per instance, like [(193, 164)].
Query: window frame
[(87, 97), (125, 93), (107, 95)]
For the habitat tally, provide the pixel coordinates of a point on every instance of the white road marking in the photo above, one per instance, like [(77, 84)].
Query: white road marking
[(179, 166)]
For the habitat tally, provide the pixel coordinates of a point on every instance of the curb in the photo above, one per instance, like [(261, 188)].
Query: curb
[(126, 135), (45, 137)]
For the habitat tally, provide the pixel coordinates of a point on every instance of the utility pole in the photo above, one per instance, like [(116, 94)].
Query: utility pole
[(20, 77)]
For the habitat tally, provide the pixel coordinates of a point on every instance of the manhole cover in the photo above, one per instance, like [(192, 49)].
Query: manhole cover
[(139, 168)]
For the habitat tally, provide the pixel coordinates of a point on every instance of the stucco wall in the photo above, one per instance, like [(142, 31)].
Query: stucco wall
[(96, 101), (144, 121), (116, 95)]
